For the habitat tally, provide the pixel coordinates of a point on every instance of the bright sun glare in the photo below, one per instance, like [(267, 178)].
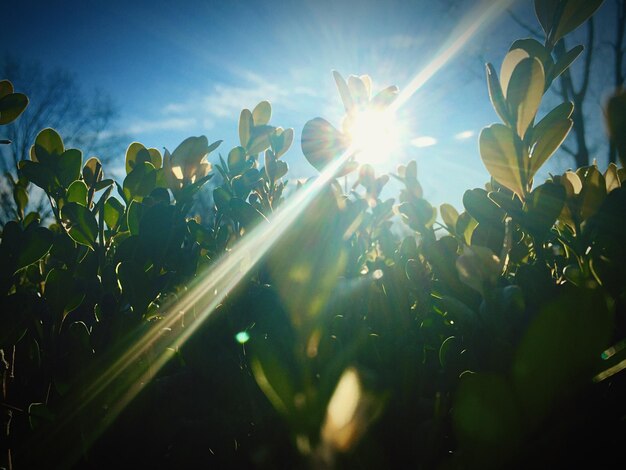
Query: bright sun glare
[(375, 135)]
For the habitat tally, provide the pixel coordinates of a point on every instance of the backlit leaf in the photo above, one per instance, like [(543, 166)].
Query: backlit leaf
[(524, 92), (499, 155), (262, 113), (83, 227)]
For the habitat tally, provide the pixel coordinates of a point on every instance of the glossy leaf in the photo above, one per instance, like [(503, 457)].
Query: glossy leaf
[(574, 14), (262, 113), (499, 154), (92, 171), (543, 206), (236, 159), (35, 243), (495, 94), (510, 62), (344, 91), (113, 212), (593, 190), (77, 192), (546, 11), (82, 224), (281, 140), (524, 92), (11, 106), (259, 139), (322, 143), (245, 127), (564, 62), (50, 141)]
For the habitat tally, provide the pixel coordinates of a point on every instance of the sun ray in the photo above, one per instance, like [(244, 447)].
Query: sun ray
[(480, 16)]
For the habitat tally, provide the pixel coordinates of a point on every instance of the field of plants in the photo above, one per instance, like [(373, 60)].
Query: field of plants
[(296, 324)]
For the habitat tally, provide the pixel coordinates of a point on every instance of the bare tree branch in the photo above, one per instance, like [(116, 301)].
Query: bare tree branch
[(588, 57), (522, 24), (86, 122)]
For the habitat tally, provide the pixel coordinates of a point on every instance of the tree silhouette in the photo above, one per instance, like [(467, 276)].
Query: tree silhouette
[(57, 101)]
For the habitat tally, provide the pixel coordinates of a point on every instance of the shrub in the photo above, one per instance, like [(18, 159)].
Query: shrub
[(480, 340)]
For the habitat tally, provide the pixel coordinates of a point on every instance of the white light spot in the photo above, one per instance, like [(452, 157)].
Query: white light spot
[(424, 141), (464, 135), (375, 135)]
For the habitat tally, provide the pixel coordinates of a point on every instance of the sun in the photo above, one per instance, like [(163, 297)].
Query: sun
[(374, 135)]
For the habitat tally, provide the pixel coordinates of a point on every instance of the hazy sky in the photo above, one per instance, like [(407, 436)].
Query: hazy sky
[(187, 68)]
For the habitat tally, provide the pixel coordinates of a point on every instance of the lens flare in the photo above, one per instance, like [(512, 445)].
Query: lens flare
[(375, 135)]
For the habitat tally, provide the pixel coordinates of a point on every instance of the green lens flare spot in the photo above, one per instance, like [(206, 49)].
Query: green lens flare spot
[(242, 337)]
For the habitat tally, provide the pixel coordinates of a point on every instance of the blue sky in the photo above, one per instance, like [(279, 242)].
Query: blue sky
[(187, 68)]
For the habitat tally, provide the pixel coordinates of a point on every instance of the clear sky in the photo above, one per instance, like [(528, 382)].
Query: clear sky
[(187, 68)]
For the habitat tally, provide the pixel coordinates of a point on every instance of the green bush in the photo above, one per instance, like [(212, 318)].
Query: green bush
[(492, 337)]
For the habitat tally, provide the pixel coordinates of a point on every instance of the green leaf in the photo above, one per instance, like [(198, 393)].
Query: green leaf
[(136, 286), (245, 213), (11, 106), (511, 206), (140, 182), (38, 414), (222, 198), (593, 191), (495, 94), (358, 90), (465, 226), (259, 139), (50, 141), (92, 171), (273, 375), (34, 245), (262, 113), (6, 88), (534, 49), (100, 185), (611, 178), (322, 143), (498, 152), (281, 140), (133, 217), (155, 157), (542, 207), (564, 62), (574, 14), (418, 214), (236, 160), (546, 11), (384, 98), (113, 212), (511, 59), (131, 155), (524, 92), (480, 207), (20, 196), (83, 227), (61, 292), (77, 192), (68, 167), (344, 91), (245, 126), (548, 139)]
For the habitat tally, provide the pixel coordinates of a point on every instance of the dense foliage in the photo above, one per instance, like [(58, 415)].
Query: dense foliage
[(495, 336)]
